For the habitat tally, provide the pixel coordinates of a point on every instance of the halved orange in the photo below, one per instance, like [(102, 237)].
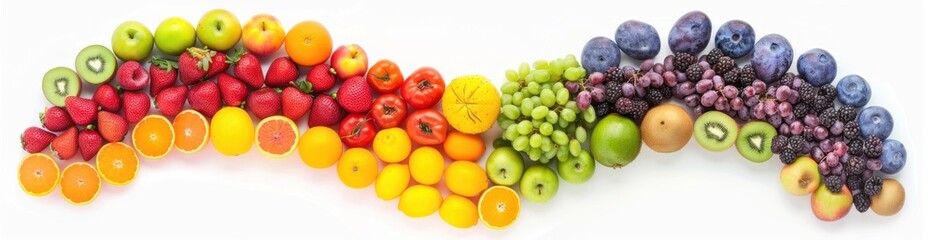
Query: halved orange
[(80, 183), (153, 136), (498, 207), (38, 174), (117, 163), (276, 136), (191, 131)]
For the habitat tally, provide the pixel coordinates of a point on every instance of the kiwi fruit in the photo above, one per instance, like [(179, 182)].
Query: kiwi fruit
[(58, 83), (96, 64), (755, 141), (715, 131)]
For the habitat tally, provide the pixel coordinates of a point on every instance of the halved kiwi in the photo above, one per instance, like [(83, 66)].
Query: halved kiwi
[(96, 64), (755, 141), (715, 131), (58, 83)]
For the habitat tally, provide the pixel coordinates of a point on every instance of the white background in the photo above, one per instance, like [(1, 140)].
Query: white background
[(690, 193)]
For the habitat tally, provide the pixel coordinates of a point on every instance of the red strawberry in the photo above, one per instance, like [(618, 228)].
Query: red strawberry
[(233, 91), (205, 98), (132, 76), (296, 101), (163, 73), (355, 95), (35, 139), (218, 65), (135, 106), (56, 119), (171, 101), (247, 68), (193, 64), (264, 102), (65, 146), (89, 142), (321, 77), (82, 111), (107, 97), (111, 126), (325, 111), (281, 72)]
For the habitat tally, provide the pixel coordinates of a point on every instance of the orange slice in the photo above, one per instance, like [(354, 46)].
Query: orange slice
[(276, 136), (80, 183), (38, 174), (498, 207), (191, 131), (153, 136), (117, 163)]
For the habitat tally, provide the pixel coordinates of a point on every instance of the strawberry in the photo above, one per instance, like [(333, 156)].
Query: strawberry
[(82, 111), (233, 91), (193, 64), (89, 142), (65, 146), (264, 102), (131, 76), (281, 71), (247, 68), (205, 98), (171, 101), (56, 119), (296, 101), (36, 139), (135, 106), (321, 77), (355, 95), (218, 65), (325, 111), (108, 97), (162, 73), (111, 126)]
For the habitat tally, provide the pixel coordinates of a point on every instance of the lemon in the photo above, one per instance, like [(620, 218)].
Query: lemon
[(471, 104), (392, 180), (465, 178), (426, 165), (232, 131), (459, 211), (419, 201)]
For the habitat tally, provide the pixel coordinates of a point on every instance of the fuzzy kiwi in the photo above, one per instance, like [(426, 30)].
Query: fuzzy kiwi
[(58, 83), (715, 131), (96, 64), (755, 141)]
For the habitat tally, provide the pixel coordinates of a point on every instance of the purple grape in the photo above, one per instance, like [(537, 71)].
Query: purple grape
[(837, 128), (770, 91), (643, 81), (717, 82), (670, 63), (640, 92), (682, 77), (775, 120), (692, 100), (796, 127), (783, 93), (784, 129), (597, 78), (811, 120), (628, 90), (822, 168), (684, 89), (704, 65), (785, 109), (832, 160), (670, 79), (708, 74), (722, 104), (704, 85), (572, 86), (793, 98), (845, 158), (752, 102), (789, 119), (874, 164), (771, 108), (583, 99), (598, 94), (655, 79), (759, 85), (659, 68), (816, 153), (708, 99), (758, 112), (743, 114), (867, 174), (808, 131), (839, 148), (730, 91), (749, 92), (647, 65), (838, 170), (736, 104), (628, 72), (820, 133), (698, 110)]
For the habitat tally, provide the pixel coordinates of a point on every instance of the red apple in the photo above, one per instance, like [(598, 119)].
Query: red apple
[(349, 61), (829, 206), (263, 34)]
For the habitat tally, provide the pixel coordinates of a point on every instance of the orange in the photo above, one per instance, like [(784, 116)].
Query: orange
[(38, 174), (308, 43), (465, 178), (191, 131), (357, 168), (462, 146), (498, 207), (117, 163), (320, 147), (153, 136), (276, 136), (80, 183)]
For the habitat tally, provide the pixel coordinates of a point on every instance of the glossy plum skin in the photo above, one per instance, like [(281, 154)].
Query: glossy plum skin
[(735, 38), (853, 90), (638, 40), (771, 57), (817, 67), (599, 54), (893, 156), (690, 34), (875, 121)]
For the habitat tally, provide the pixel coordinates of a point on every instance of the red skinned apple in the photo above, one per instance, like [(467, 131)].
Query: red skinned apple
[(349, 61), (263, 34)]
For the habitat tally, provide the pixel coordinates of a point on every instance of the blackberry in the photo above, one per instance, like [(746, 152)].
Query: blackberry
[(623, 106), (723, 65), (801, 109), (747, 75), (833, 183), (806, 93), (694, 72), (778, 143), (788, 79), (862, 202), (873, 147), (828, 90), (683, 60), (851, 130), (854, 183), (732, 78), (855, 165), (614, 75), (872, 186), (828, 117), (602, 109), (640, 108), (657, 95), (715, 54), (796, 143), (846, 113), (822, 102), (788, 155), (614, 91), (855, 147)]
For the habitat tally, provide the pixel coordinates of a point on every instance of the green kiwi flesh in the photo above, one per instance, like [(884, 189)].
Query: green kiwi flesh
[(58, 83), (96, 64), (755, 141), (715, 131)]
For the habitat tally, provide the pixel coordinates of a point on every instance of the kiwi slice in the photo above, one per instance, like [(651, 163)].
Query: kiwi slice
[(755, 141), (715, 131), (58, 83), (96, 64)]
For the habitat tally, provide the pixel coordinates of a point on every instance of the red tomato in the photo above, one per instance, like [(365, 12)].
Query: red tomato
[(427, 127), (356, 130), (388, 111), (384, 76), (423, 88)]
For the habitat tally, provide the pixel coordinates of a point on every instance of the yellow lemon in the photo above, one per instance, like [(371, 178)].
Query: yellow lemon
[(392, 180), (426, 165), (465, 178), (459, 211), (232, 131), (419, 201)]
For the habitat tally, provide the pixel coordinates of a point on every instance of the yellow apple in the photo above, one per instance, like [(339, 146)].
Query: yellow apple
[(263, 34)]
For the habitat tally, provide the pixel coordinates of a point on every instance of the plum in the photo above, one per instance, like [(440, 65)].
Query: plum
[(771, 57), (638, 40), (690, 34), (599, 54), (817, 67), (875, 121), (893, 156), (735, 38), (853, 90)]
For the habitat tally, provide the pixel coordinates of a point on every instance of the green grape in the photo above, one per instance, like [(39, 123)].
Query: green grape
[(590, 125), (548, 97), (557, 87), (571, 61), (562, 96), (524, 127), (557, 68), (523, 70), (580, 134), (512, 75), (517, 98), (546, 129), (510, 87), (505, 123), (563, 153), (536, 100), (559, 137), (539, 112), (572, 105), (550, 154), (573, 74), (499, 142), (562, 123), (520, 143), (552, 117), (511, 133), (535, 154), (511, 111), (541, 75), (537, 122), (540, 64), (547, 85), (589, 114), (547, 144), (528, 78), (526, 107), (534, 88), (575, 147), (535, 140), (568, 115)]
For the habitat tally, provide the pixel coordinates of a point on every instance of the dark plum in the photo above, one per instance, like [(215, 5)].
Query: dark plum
[(817, 67), (771, 57), (893, 156), (638, 40), (853, 90), (735, 38), (875, 121), (599, 54), (690, 34)]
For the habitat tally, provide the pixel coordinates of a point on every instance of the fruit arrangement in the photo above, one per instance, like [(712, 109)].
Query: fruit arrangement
[(383, 128)]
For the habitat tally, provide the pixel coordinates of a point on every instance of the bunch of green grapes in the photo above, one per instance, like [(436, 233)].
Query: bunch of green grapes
[(538, 114)]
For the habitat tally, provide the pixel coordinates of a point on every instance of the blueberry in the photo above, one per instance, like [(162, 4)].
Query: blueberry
[(600, 54), (893, 156), (817, 67), (853, 90), (771, 57), (638, 40), (735, 38), (690, 34), (875, 121)]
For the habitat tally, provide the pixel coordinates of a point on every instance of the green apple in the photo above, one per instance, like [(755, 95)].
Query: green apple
[(504, 166), (131, 41), (801, 177), (219, 30), (577, 169), (174, 35), (539, 184), (615, 141)]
